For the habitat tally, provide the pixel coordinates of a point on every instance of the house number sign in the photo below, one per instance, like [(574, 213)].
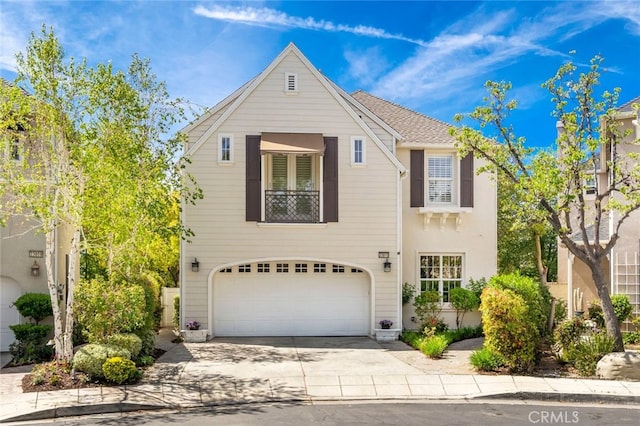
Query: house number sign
[(36, 253)]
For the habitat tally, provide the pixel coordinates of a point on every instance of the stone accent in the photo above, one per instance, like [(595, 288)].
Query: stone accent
[(619, 366), (386, 335), (194, 336)]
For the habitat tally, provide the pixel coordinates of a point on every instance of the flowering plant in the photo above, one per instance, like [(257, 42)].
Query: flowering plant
[(386, 323), (193, 325)]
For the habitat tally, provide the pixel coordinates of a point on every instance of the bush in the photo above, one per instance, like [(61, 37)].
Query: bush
[(176, 312), (30, 347), (128, 341), (34, 305), (508, 329), (463, 333), (567, 335), (463, 301), (408, 291), (91, 357), (106, 308), (560, 312), (144, 361), (433, 346), (118, 370), (428, 308), (622, 309), (476, 286), (589, 351), (486, 360), (633, 337)]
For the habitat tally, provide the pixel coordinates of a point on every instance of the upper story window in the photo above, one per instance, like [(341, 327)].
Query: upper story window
[(440, 179), (357, 151), (225, 148), (590, 185), (290, 82)]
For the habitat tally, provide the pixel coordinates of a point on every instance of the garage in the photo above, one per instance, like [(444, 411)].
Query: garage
[(291, 299), (9, 315)]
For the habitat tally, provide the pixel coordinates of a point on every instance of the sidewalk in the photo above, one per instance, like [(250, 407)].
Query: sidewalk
[(190, 376)]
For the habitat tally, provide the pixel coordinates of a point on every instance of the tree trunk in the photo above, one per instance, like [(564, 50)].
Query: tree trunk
[(610, 320), (542, 269), (53, 293), (71, 279)]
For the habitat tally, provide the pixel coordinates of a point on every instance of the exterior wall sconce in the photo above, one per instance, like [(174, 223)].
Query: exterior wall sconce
[(195, 265), (35, 269), (387, 266)]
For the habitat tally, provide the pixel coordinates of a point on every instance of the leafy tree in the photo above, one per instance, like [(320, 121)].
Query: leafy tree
[(550, 185), (94, 161)]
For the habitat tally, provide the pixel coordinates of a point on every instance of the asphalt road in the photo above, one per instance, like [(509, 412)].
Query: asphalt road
[(494, 413)]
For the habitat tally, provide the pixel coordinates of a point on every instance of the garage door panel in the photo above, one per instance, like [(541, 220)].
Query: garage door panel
[(271, 304)]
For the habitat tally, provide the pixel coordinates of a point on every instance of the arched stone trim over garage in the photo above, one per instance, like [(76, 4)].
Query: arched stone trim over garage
[(282, 316)]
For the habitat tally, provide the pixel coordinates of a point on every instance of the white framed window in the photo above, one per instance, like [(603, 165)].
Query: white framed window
[(291, 82), (440, 181), (225, 148), (301, 267), (263, 267), (441, 273), (282, 267), (337, 269), (358, 151), (319, 267), (590, 185), (244, 268), (225, 270)]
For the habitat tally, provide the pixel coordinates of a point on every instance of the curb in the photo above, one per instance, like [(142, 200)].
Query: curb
[(80, 410), (566, 397)]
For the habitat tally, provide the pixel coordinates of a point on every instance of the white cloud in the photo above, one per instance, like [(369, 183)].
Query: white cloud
[(266, 17)]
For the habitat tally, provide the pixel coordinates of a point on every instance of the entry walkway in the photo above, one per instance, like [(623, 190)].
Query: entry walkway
[(299, 370)]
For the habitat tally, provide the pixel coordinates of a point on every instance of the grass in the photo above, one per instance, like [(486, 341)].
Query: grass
[(434, 346)]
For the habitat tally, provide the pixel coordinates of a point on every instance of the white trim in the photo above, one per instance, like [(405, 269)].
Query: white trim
[(212, 272), (463, 271), (363, 149), (221, 137)]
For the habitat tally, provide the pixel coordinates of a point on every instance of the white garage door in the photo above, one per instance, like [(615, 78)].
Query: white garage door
[(275, 300), (9, 292)]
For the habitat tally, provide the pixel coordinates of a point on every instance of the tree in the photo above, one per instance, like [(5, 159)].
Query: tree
[(550, 185), (95, 163)]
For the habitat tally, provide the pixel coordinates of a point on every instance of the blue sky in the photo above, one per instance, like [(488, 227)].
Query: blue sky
[(433, 57)]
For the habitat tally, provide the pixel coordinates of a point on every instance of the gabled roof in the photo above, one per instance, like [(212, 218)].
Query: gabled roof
[(576, 237), (414, 127), (628, 107), (232, 102)]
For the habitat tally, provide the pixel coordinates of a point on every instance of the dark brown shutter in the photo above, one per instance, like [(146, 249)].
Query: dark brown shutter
[(416, 173), (253, 174), (466, 181), (330, 180)]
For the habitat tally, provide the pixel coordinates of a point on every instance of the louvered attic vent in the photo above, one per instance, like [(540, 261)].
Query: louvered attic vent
[(291, 82)]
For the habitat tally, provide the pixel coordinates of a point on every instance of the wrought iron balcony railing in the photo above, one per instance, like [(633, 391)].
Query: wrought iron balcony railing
[(292, 206)]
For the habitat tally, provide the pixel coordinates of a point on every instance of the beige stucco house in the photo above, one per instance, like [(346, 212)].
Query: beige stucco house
[(318, 205), (622, 264), (22, 246)]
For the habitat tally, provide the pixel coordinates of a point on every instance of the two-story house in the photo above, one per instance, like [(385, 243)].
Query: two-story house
[(318, 205), (22, 245), (623, 263)]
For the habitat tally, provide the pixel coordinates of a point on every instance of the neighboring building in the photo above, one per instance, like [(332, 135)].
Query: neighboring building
[(22, 263), (623, 263), (318, 205)]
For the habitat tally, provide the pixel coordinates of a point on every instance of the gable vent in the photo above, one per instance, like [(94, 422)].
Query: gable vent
[(291, 82)]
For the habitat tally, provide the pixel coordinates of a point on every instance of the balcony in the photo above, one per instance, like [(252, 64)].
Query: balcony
[(292, 206)]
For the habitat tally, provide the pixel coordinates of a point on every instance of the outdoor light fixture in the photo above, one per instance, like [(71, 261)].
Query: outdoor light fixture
[(387, 266), (195, 265), (35, 269)]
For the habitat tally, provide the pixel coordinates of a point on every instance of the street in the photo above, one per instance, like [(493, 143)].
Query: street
[(494, 413)]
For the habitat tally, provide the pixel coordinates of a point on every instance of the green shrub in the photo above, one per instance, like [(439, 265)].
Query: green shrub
[(536, 296), (428, 309), (128, 341), (560, 312), (408, 292), (91, 357), (106, 308), (486, 360), (144, 361), (632, 337), (411, 338), (176, 312), (508, 329), (477, 286), (463, 333), (463, 301), (30, 347), (433, 346), (567, 335), (589, 351), (118, 370), (622, 309), (34, 305)]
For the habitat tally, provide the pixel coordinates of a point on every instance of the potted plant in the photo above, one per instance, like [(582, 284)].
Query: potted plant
[(193, 334), (386, 324)]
